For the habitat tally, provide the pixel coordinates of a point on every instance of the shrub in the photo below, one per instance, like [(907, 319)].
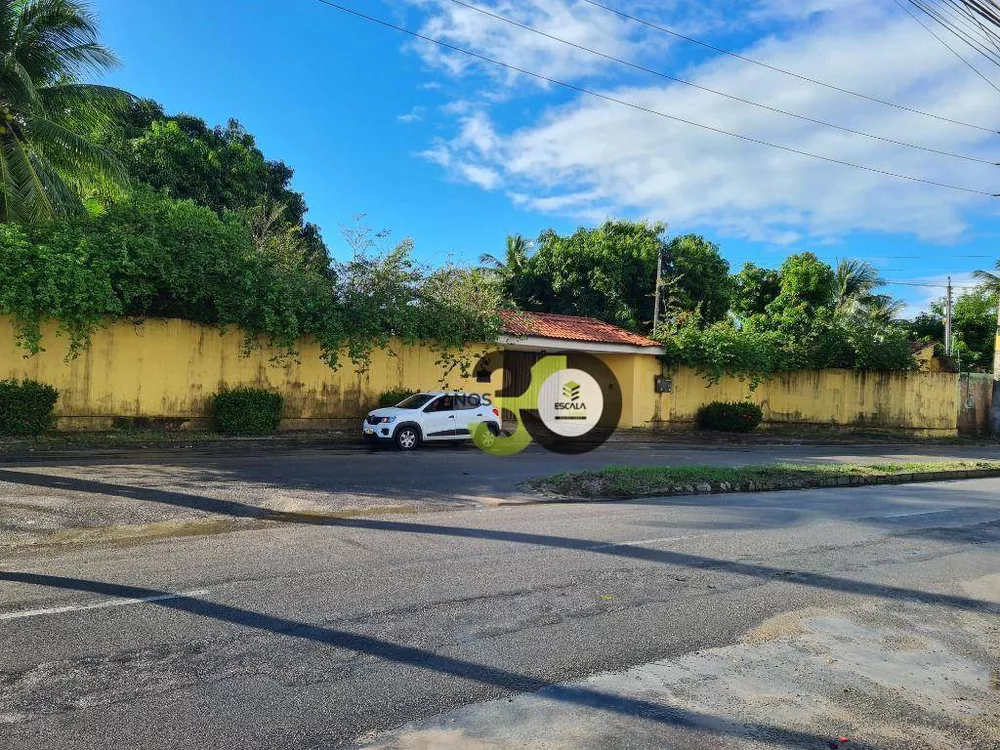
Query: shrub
[(246, 411), (738, 416), (26, 407), (393, 397)]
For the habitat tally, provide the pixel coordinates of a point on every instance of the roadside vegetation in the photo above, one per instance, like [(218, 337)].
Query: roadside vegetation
[(111, 207), (635, 481), (804, 315), (26, 407), (737, 416)]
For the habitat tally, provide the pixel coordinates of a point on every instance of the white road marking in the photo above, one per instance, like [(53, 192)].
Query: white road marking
[(97, 605)]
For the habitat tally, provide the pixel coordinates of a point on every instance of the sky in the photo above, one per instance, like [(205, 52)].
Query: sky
[(457, 153)]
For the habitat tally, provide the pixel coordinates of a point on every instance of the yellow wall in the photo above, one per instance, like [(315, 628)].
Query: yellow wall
[(921, 401), (170, 369)]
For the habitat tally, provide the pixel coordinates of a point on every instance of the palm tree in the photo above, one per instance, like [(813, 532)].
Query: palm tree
[(881, 308), (856, 280), (515, 258), (47, 47), (990, 282)]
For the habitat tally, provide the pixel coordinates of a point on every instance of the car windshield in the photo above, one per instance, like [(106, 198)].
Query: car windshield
[(415, 401)]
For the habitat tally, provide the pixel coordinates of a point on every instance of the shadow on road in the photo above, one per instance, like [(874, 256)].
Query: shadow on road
[(422, 658), (985, 532)]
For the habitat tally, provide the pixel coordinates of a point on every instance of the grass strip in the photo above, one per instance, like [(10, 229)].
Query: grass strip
[(639, 481)]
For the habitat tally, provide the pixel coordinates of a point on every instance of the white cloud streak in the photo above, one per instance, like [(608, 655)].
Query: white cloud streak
[(590, 159)]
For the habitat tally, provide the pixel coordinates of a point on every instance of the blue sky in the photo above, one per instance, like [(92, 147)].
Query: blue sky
[(457, 154)]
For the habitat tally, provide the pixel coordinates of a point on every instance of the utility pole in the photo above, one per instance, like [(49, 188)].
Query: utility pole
[(994, 421), (947, 321), (659, 283)]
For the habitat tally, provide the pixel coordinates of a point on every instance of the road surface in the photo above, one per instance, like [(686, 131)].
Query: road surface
[(694, 622)]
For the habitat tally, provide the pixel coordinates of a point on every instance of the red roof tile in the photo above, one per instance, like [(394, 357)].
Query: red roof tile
[(570, 328)]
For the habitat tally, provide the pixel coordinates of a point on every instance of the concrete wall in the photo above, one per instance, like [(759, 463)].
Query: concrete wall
[(975, 394), (169, 369), (927, 403)]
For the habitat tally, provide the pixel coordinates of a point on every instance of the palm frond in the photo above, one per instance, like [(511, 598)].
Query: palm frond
[(73, 154), (490, 261), (37, 199), (9, 201), (988, 279), (57, 39), (87, 103), (19, 91), (45, 46)]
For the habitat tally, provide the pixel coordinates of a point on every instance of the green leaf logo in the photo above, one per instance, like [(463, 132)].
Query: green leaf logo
[(571, 391)]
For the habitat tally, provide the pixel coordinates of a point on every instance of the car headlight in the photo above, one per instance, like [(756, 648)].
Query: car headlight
[(387, 420)]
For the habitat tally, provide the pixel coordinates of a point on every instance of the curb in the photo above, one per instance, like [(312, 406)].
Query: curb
[(723, 488)]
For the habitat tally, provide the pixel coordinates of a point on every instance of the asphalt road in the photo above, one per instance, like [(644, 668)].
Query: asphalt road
[(45, 494), (326, 636)]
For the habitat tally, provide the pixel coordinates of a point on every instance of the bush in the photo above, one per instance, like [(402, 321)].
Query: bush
[(393, 397), (26, 407), (738, 416), (246, 411)]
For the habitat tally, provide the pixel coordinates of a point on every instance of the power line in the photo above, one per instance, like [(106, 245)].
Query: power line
[(641, 108), (951, 49), (880, 255), (964, 20), (776, 69), (955, 23), (890, 282), (652, 71), (971, 22)]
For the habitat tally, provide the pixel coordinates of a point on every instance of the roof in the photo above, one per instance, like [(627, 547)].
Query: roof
[(569, 328)]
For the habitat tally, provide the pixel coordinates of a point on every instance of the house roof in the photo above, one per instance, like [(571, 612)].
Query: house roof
[(570, 328), (920, 346)]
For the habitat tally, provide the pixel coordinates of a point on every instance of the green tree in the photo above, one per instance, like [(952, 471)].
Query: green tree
[(805, 280), (47, 160), (147, 255), (855, 282), (220, 168), (990, 284), (753, 289), (698, 276), (517, 276), (973, 319), (882, 309), (515, 258), (606, 273)]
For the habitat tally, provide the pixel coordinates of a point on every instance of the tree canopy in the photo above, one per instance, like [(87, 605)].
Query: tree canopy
[(609, 273), (804, 315), (48, 48)]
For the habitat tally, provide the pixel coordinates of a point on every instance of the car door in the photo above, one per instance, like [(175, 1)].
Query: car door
[(439, 419), (469, 412)]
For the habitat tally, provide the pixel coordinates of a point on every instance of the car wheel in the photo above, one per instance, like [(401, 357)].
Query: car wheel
[(407, 438), (485, 435)]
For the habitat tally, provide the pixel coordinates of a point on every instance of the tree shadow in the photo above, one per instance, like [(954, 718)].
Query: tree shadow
[(988, 532), (379, 648)]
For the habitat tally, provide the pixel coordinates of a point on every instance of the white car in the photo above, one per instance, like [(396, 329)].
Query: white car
[(432, 416)]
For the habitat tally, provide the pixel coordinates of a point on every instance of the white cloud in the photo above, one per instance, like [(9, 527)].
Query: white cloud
[(919, 298), (414, 115), (482, 176), (571, 20), (591, 158)]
